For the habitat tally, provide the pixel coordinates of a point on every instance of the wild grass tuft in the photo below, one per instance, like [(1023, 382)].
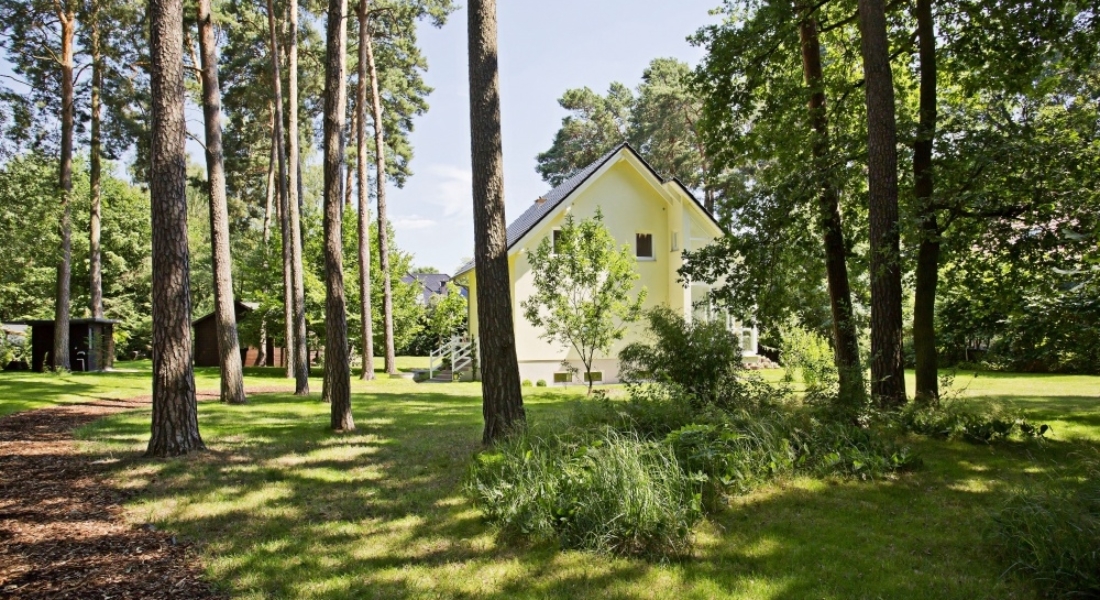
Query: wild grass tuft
[(603, 490), (1051, 536)]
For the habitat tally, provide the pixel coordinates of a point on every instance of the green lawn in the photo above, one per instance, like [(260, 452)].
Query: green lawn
[(286, 509), (21, 391)]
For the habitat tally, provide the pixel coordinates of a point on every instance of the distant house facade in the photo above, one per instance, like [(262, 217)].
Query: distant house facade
[(206, 342), (657, 217), (430, 285)]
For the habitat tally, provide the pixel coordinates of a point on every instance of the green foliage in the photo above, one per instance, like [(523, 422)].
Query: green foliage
[(1050, 535), (442, 319), (810, 355), (701, 360), (526, 383), (583, 288), (599, 490), (29, 213), (540, 383), (975, 423)]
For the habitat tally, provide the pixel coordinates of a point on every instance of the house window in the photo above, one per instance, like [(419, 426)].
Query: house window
[(566, 377), (594, 376), (557, 238), (675, 241), (643, 244)]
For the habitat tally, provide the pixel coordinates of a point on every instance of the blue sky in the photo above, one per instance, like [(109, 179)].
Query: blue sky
[(545, 48)]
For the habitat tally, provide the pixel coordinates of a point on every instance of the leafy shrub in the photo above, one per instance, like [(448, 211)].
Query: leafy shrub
[(841, 448), (651, 412), (540, 383), (1051, 536), (701, 360), (811, 356), (974, 422), (732, 459), (526, 383), (602, 491)]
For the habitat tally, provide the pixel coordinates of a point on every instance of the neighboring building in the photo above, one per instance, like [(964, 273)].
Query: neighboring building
[(657, 217), (92, 344), (206, 342), (431, 285)]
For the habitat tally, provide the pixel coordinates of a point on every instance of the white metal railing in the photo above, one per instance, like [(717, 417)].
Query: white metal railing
[(461, 352)]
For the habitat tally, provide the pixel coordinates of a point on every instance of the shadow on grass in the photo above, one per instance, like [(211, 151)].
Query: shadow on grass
[(288, 509)]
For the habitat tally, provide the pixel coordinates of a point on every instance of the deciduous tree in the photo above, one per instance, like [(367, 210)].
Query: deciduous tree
[(583, 289)]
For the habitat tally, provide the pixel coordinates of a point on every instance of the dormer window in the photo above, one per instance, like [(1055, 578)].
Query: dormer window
[(643, 245)]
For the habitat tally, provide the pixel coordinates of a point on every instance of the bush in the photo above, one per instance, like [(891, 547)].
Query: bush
[(1051, 536), (526, 383), (540, 383), (602, 491), (700, 360), (736, 459), (974, 422), (811, 356)]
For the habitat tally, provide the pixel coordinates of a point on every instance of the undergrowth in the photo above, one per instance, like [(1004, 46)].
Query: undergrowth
[(1051, 536)]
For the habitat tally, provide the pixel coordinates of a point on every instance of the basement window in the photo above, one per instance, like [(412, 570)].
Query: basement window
[(594, 377), (643, 245), (563, 377)]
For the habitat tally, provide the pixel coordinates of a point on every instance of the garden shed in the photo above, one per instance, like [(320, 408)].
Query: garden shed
[(206, 341), (91, 344)]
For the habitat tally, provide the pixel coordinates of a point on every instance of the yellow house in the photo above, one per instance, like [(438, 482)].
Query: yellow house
[(658, 217)]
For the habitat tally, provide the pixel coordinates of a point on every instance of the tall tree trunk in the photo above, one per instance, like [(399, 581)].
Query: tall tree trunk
[(67, 19), (502, 399), (887, 373), (269, 205), (225, 315), (349, 173), (928, 252), (175, 428), (337, 385), (95, 264), (301, 353), (289, 346), (364, 201), (383, 230), (845, 338)]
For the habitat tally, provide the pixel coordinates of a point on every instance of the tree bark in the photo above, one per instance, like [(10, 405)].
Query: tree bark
[(95, 263), (269, 206), (383, 231), (175, 429), (502, 399), (67, 20), (337, 385), (887, 373), (364, 201), (289, 346), (301, 353), (928, 251), (225, 315), (845, 338)]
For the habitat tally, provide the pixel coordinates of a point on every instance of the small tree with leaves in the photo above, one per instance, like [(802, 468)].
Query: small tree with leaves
[(583, 289)]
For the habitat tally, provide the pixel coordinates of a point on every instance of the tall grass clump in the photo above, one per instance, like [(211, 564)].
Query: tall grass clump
[(974, 422), (1051, 536), (597, 490)]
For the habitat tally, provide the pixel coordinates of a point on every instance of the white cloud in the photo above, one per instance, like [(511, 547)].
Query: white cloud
[(413, 222), (451, 189)]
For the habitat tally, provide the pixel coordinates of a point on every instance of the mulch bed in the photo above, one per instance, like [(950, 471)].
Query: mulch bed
[(62, 529)]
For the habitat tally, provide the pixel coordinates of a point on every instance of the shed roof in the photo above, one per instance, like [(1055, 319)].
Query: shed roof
[(239, 308), (87, 321)]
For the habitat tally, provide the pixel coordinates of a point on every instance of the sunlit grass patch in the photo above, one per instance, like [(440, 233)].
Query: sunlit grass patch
[(283, 508)]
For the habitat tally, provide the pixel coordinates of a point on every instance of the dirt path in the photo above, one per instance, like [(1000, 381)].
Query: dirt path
[(62, 530)]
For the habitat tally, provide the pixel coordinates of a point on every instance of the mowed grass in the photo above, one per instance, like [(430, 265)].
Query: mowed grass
[(24, 390), (284, 508)]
